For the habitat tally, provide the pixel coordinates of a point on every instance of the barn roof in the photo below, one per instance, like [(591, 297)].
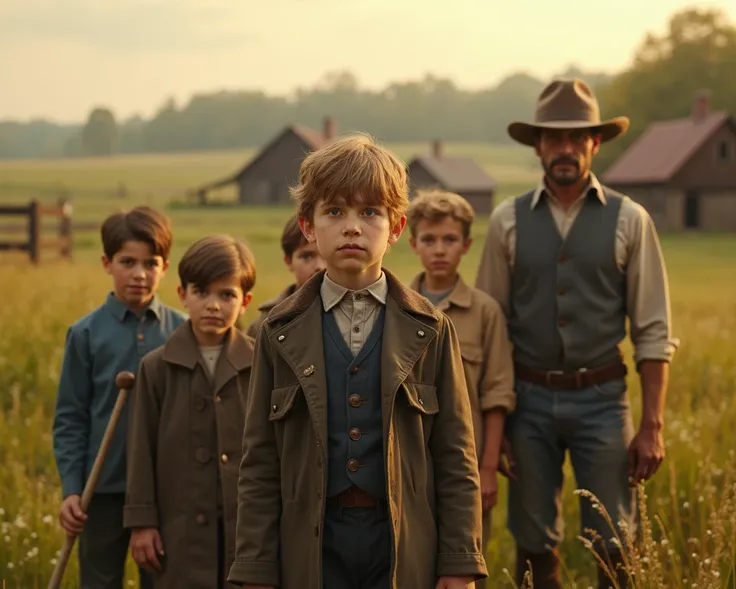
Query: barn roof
[(457, 174), (663, 149)]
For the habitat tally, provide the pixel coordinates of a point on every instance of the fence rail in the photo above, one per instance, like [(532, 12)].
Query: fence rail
[(35, 242)]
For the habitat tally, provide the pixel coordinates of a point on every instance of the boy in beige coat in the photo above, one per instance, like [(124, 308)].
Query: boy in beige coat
[(440, 224), (186, 426)]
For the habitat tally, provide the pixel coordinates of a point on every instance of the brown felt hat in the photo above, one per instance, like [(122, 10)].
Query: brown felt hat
[(567, 104)]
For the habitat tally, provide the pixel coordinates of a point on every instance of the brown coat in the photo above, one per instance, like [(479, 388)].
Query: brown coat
[(265, 309), (485, 349), (433, 486), (184, 447)]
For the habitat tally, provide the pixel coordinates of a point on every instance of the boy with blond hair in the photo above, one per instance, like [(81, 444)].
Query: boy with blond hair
[(359, 467), (186, 425), (440, 224), (303, 260), (112, 338)]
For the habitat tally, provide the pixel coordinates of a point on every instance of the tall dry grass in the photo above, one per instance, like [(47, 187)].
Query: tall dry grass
[(688, 538)]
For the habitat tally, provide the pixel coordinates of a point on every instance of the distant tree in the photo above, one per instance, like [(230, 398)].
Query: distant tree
[(697, 52), (99, 135)]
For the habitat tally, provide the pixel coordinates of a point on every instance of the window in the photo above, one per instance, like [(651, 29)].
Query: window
[(724, 151)]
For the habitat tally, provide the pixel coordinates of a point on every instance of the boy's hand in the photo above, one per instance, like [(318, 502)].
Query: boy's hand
[(454, 582), (488, 487), (71, 516), (506, 463), (146, 547)]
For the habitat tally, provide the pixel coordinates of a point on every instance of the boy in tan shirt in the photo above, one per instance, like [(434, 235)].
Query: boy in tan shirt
[(439, 225)]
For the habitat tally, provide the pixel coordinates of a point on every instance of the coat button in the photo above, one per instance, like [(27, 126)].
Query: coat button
[(354, 400), (275, 408), (224, 459), (420, 333), (354, 369), (201, 519), (218, 398), (281, 338), (353, 465), (202, 455), (356, 329), (355, 433), (140, 337)]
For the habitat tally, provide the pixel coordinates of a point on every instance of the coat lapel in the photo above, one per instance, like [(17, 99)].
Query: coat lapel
[(237, 354), (409, 328), (299, 342)]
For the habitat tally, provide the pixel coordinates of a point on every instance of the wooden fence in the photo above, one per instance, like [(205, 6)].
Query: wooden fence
[(35, 212)]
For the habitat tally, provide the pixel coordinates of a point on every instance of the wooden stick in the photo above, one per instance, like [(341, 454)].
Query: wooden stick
[(124, 382)]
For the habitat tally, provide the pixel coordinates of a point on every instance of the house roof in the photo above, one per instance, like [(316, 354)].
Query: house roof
[(311, 138), (457, 174), (663, 149)]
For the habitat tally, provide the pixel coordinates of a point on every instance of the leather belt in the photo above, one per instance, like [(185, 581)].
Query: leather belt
[(353, 497), (571, 379)]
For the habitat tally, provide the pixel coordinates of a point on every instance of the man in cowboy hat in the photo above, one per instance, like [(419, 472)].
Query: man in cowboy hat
[(569, 261)]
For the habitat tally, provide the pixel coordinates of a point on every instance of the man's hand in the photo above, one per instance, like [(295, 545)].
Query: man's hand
[(454, 582), (146, 547), (488, 487), (71, 516), (646, 453)]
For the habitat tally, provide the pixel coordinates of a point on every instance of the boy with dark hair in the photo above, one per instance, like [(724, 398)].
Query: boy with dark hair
[(303, 260), (440, 224), (359, 466), (186, 425), (112, 338)]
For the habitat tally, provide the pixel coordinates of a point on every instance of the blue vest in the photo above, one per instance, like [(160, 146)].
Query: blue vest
[(354, 419), (568, 297)]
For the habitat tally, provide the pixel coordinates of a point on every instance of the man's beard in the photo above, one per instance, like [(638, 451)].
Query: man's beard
[(563, 180)]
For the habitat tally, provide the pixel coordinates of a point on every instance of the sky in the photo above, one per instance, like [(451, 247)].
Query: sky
[(59, 58)]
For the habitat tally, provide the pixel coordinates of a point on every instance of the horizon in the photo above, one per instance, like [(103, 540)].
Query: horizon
[(132, 56)]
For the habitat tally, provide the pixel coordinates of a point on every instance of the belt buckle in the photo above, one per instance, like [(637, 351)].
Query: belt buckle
[(579, 377), (548, 376)]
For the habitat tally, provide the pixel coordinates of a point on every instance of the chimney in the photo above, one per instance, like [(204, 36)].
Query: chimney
[(330, 128), (437, 148), (701, 105)]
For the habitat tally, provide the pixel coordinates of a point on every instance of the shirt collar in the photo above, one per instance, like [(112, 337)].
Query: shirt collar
[(460, 295), (120, 310), (593, 187), (332, 293)]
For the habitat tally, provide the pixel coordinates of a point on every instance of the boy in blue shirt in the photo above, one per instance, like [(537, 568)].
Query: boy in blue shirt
[(112, 338)]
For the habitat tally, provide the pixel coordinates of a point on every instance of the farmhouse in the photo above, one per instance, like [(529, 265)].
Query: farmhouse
[(454, 174), (683, 171), (266, 178)]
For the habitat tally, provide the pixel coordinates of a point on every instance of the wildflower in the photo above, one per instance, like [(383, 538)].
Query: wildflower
[(7, 538), (47, 519), (686, 505), (53, 562), (11, 565)]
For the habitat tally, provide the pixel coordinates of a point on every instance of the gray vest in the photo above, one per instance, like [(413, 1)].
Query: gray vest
[(354, 419), (568, 298)]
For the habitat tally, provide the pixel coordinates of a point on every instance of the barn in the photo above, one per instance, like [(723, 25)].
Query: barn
[(266, 178), (461, 175), (683, 171)]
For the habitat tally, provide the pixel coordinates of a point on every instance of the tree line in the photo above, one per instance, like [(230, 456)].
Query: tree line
[(697, 51)]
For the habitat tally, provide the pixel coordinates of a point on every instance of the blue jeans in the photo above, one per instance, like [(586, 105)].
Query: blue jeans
[(594, 424)]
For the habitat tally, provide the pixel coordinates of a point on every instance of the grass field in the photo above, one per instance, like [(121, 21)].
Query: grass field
[(691, 503)]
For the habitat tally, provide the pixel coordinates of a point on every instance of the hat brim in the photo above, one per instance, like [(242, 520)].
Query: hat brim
[(526, 133)]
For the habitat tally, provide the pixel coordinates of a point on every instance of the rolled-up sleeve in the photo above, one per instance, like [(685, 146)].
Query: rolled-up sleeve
[(647, 290), (496, 261)]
